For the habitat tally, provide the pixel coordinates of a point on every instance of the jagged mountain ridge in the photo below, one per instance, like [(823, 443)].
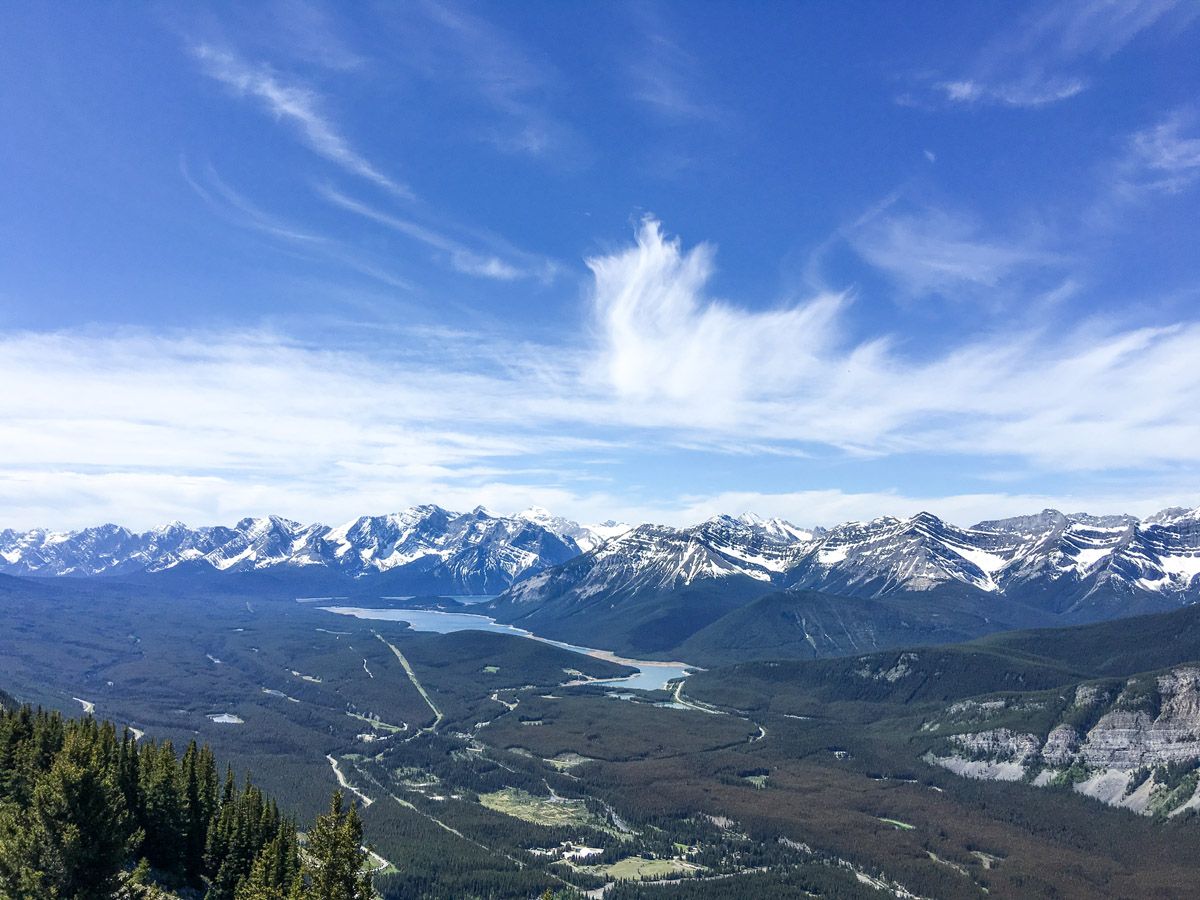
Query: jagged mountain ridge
[(652, 586), (935, 579), (1075, 555), (475, 552), (1054, 560), (651, 557)]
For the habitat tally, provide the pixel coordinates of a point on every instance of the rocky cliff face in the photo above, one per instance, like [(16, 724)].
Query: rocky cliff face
[(1134, 744), (650, 559), (1078, 566)]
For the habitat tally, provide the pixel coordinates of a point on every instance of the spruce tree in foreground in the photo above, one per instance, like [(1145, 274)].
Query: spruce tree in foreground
[(79, 807), (75, 834), (337, 865)]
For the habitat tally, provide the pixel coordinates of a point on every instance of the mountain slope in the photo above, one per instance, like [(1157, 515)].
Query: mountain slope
[(932, 582), (1012, 661), (425, 548), (652, 587), (1110, 711), (1077, 564), (802, 624)]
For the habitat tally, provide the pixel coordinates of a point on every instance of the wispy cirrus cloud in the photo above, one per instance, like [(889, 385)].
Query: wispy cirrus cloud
[(295, 103), (928, 249), (1153, 163), (666, 79), (665, 342), (1049, 54), (307, 30), (505, 76), (454, 48), (1092, 398), (138, 420), (1161, 159), (458, 255), (239, 210), (223, 198)]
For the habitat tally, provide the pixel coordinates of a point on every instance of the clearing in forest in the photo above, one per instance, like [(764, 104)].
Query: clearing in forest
[(540, 810), (637, 868)]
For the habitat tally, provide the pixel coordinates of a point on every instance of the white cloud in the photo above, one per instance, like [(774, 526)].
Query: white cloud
[(932, 250), (229, 423), (666, 78), (1163, 158), (301, 106), (298, 105), (455, 49), (1153, 163), (223, 424), (1034, 89), (221, 197), (306, 32), (485, 266), (232, 206), (1046, 56), (458, 255), (664, 340), (1089, 399), (65, 499)]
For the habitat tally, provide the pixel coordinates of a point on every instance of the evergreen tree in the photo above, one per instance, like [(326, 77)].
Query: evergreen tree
[(78, 805), (198, 787), (79, 833), (127, 772), (21, 878), (275, 872), (337, 863), (245, 824), (162, 813)]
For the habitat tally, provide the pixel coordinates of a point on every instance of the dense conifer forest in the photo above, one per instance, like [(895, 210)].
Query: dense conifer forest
[(87, 814)]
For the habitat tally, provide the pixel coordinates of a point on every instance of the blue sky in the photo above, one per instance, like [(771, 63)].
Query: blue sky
[(644, 261)]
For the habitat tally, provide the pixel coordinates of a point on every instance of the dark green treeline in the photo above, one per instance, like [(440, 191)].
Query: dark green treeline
[(86, 814)]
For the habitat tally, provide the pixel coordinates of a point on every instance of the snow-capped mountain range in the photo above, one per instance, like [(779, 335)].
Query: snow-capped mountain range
[(1067, 555), (475, 552), (1056, 557)]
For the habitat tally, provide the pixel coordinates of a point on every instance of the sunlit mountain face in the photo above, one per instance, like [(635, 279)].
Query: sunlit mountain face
[(1063, 559)]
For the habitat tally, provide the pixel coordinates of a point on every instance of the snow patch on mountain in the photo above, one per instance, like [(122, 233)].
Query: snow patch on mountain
[(1075, 557), (586, 537), (471, 552)]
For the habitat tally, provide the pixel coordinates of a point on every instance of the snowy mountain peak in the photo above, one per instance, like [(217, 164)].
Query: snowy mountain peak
[(424, 548), (1088, 566), (1171, 515), (586, 537), (430, 549)]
